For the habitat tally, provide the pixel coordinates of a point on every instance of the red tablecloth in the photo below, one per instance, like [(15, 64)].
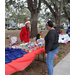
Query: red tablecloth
[(21, 63)]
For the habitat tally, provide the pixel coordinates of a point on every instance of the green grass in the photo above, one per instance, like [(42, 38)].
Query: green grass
[(11, 30), (13, 74), (64, 30), (59, 54)]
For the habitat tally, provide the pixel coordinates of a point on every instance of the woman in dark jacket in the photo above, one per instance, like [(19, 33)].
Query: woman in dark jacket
[(51, 46)]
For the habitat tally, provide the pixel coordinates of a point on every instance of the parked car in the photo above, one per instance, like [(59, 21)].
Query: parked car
[(9, 28), (43, 28), (14, 28)]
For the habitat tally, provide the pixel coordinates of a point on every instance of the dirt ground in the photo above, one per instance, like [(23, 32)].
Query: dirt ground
[(37, 67)]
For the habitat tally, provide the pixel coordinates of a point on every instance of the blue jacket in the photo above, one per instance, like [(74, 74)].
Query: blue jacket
[(68, 31)]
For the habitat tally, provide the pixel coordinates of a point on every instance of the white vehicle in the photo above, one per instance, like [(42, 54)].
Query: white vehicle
[(14, 27), (43, 28), (9, 28)]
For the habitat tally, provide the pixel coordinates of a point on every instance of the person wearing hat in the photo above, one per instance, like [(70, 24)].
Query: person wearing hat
[(24, 34), (51, 46), (49, 20), (38, 36)]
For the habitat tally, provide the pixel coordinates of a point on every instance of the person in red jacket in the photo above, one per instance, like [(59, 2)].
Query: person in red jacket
[(24, 34)]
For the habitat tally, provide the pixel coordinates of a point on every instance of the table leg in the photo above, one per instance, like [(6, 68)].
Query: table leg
[(38, 57), (43, 57), (40, 60)]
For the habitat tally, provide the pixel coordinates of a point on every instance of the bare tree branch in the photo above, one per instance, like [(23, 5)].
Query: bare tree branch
[(30, 5), (66, 14), (39, 6), (49, 7), (35, 4)]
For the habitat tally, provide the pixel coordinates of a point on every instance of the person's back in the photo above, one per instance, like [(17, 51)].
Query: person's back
[(56, 38), (54, 34)]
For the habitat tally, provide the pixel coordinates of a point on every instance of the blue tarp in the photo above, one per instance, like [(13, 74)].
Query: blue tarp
[(12, 54)]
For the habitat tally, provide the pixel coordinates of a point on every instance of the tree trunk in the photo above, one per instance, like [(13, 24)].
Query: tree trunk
[(69, 19), (34, 15), (57, 17), (57, 22), (32, 6)]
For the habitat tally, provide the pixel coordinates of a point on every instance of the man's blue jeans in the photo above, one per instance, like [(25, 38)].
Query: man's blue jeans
[(49, 60)]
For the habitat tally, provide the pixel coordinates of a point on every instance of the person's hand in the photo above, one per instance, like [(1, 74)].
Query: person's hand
[(45, 55)]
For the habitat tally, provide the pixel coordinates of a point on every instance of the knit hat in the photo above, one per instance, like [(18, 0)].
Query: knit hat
[(27, 22), (41, 31)]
